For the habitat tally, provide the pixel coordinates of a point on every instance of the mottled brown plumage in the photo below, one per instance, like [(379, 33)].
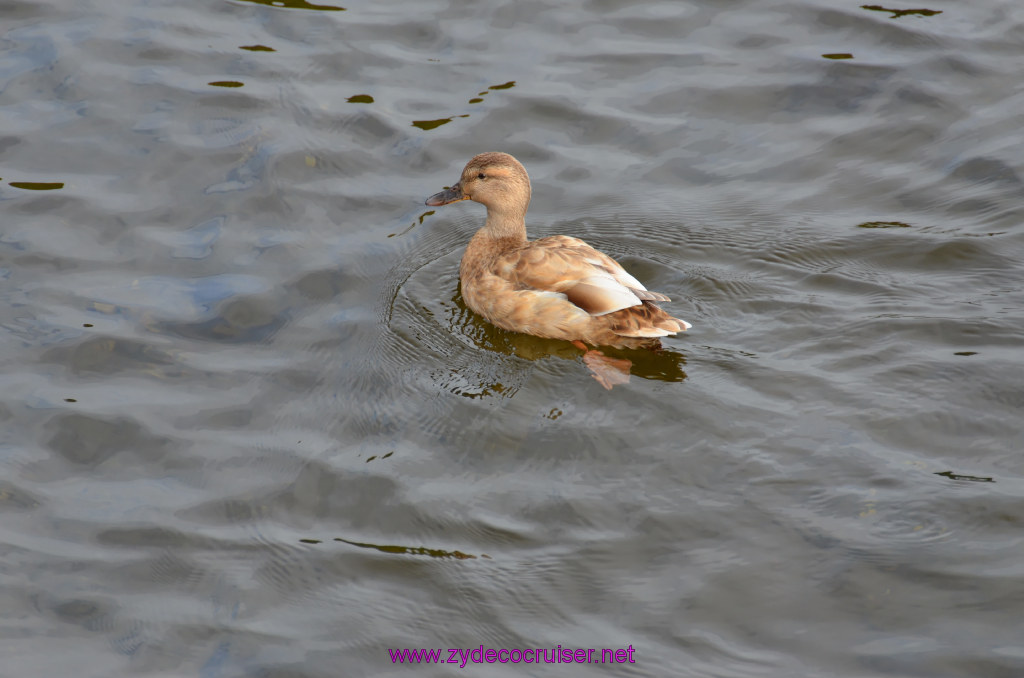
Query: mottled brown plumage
[(557, 287)]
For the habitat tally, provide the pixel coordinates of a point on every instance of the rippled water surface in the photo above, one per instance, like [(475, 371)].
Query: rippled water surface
[(252, 430)]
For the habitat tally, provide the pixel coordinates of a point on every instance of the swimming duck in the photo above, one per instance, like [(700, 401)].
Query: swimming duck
[(557, 287)]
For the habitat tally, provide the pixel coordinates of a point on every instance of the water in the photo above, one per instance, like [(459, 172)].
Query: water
[(251, 429)]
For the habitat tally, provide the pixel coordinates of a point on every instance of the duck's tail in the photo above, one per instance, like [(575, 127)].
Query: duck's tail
[(647, 320)]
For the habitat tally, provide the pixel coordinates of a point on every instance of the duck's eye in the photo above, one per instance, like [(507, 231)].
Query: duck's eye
[(480, 176)]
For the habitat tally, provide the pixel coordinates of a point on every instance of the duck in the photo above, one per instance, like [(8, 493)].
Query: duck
[(557, 287)]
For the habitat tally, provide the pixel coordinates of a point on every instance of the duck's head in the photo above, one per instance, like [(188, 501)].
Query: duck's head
[(496, 180)]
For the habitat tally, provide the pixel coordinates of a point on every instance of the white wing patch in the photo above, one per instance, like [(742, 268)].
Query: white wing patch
[(621, 276), (601, 294)]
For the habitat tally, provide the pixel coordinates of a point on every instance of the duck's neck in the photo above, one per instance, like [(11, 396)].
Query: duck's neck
[(505, 225)]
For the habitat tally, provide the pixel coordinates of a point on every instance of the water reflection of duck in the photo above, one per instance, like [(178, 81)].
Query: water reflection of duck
[(557, 287)]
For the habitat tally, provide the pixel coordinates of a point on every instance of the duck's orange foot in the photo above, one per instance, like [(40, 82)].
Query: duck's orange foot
[(607, 371)]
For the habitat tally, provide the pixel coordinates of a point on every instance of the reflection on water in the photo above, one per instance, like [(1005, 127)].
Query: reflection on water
[(37, 185), (962, 476), (427, 125), (883, 224), (897, 13), (404, 550), (296, 4), (251, 428)]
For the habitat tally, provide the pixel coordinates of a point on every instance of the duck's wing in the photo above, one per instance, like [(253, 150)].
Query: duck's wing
[(590, 279)]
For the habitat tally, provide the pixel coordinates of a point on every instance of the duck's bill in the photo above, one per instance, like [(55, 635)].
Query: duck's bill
[(449, 195)]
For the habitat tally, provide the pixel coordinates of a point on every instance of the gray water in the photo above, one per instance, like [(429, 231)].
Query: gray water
[(250, 429)]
